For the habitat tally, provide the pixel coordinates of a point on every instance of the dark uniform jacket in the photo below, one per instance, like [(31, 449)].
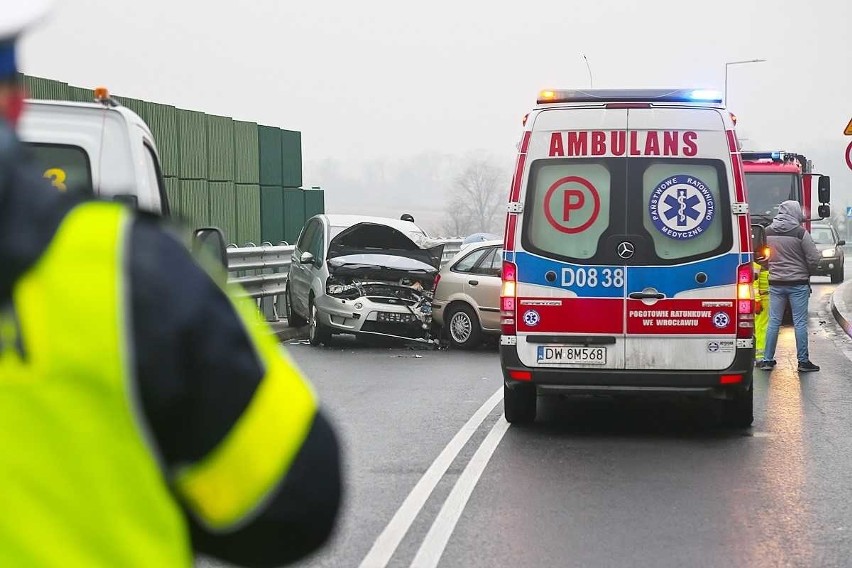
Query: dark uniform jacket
[(195, 368)]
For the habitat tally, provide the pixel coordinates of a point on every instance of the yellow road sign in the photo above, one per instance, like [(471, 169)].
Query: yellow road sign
[(848, 131)]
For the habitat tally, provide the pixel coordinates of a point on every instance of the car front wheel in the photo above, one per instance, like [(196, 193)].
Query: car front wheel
[(463, 327), (317, 333)]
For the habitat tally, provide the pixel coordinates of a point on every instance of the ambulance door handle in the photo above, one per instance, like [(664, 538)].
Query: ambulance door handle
[(473, 282), (646, 295)]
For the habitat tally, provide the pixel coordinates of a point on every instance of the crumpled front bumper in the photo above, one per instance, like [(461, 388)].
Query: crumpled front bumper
[(361, 316)]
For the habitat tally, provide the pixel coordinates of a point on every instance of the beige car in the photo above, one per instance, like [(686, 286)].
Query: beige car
[(467, 294)]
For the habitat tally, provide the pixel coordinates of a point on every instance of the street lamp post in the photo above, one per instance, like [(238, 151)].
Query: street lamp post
[(727, 64)]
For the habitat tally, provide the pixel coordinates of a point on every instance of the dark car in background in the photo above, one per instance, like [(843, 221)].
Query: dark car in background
[(830, 245)]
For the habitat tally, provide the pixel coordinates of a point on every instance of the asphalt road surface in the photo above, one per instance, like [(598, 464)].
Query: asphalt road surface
[(437, 478)]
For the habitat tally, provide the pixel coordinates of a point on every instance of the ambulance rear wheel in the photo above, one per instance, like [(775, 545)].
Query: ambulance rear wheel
[(519, 403), (738, 412)]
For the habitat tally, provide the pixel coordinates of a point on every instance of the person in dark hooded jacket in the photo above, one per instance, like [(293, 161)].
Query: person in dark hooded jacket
[(793, 258)]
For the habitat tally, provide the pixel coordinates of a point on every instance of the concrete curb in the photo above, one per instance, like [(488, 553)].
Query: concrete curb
[(840, 307)]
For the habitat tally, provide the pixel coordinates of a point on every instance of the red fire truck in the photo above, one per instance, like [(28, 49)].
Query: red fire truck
[(776, 176)]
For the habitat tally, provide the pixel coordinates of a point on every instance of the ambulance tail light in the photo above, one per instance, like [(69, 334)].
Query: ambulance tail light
[(508, 298), (745, 301)]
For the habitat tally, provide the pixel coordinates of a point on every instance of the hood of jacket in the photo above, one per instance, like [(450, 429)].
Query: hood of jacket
[(789, 217)]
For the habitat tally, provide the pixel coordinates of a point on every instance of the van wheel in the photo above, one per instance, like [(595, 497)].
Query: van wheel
[(519, 403), (293, 319), (837, 275), (317, 333), (463, 327), (738, 412)]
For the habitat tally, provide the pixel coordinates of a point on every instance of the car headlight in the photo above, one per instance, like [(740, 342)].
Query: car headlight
[(828, 253)]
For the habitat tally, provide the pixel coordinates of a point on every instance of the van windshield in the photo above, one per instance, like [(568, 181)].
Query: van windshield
[(67, 167)]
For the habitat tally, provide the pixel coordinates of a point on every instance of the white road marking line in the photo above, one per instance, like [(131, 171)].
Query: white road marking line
[(387, 542), (436, 540)]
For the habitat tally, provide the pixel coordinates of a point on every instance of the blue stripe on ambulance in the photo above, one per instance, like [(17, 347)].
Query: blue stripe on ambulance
[(533, 269), (671, 280)]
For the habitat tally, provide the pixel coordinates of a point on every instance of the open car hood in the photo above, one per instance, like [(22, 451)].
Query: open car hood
[(381, 246)]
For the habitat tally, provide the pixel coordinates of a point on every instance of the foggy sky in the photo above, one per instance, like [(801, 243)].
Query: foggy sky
[(393, 83)]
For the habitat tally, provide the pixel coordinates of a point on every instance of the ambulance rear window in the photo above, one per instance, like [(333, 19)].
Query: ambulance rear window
[(686, 210), (672, 210), (569, 206), (66, 167)]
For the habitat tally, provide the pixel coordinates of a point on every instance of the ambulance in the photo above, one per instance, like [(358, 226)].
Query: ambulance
[(627, 254)]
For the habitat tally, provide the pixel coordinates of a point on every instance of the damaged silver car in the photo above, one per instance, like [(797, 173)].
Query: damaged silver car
[(374, 277)]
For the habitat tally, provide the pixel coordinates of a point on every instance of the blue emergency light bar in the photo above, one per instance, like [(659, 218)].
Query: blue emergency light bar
[(629, 96), (777, 156)]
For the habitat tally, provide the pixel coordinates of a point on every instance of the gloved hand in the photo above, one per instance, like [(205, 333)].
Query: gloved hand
[(758, 306)]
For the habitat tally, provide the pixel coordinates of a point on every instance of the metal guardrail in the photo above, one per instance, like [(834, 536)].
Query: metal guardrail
[(262, 272)]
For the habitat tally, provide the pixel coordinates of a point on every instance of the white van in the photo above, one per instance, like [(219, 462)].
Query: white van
[(99, 148), (627, 264)]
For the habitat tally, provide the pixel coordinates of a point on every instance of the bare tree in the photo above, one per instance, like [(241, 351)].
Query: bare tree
[(478, 198)]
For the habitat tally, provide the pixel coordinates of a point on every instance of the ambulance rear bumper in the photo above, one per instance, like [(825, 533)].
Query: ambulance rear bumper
[(651, 382)]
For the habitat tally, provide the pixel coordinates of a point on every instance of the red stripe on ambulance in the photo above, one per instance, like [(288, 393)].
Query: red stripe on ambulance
[(515, 193), (570, 315), (681, 317), (740, 190)]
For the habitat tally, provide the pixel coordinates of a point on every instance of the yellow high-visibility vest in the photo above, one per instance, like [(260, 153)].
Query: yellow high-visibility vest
[(79, 479)]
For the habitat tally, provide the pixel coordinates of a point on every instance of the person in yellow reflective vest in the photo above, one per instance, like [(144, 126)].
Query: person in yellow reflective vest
[(761, 306), (146, 415)]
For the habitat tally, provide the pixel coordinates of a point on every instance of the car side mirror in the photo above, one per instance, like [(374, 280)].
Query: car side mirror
[(841, 243), (306, 258), (758, 241), (210, 241), (824, 190), (824, 211)]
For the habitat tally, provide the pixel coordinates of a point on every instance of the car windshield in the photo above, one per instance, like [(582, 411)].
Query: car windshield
[(822, 236)]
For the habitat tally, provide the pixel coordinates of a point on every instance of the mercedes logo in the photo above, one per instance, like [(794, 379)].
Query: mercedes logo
[(626, 249)]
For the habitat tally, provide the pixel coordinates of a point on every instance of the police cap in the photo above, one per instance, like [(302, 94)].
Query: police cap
[(17, 16)]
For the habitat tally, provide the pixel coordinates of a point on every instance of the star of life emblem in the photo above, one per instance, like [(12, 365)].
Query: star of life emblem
[(531, 318), (721, 320), (682, 207)]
